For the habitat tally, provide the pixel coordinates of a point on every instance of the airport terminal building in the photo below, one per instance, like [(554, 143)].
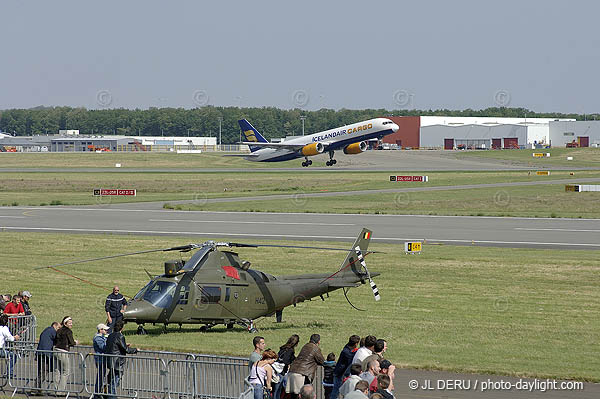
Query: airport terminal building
[(490, 132)]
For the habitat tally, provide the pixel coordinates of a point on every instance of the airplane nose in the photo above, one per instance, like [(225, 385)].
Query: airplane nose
[(395, 128)]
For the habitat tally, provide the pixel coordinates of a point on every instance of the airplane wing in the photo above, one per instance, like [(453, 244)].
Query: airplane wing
[(249, 155), (292, 147)]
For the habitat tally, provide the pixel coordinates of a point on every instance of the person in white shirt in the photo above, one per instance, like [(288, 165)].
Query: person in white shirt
[(6, 336), (361, 391), (350, 383), (364, 351)]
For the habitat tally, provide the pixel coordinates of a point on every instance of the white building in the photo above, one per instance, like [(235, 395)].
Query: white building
[(584, 133)]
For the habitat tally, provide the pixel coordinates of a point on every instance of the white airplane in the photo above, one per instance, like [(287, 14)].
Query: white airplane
[(352, 139)]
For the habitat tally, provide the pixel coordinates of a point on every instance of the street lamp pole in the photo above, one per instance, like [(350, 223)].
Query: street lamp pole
[(302, 118), (220, 121)]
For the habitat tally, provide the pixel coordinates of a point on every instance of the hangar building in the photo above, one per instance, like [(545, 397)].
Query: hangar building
[(584, 133), (469, 132)]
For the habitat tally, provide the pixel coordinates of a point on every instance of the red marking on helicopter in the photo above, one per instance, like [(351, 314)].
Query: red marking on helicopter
[(232, 272)]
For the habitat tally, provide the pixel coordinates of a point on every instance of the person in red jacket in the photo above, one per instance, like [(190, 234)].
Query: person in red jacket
[(15, 307)]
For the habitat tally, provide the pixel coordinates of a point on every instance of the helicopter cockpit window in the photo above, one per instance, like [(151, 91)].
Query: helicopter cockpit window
[(210, 294), (160, 294), (141, 292)]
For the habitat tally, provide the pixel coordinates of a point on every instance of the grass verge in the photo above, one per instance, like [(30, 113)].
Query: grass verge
[(40, 188), (520, 201)]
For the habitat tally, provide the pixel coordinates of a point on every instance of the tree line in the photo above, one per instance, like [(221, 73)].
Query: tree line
[(271, 122)]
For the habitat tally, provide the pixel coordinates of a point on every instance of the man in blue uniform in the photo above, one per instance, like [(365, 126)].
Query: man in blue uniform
[(115, 305), (45, 358)]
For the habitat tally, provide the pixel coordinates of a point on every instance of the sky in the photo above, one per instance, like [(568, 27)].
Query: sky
[(541, 55)]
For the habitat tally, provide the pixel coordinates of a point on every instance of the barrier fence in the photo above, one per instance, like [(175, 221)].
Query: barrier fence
[(147, 374), (25, 327)]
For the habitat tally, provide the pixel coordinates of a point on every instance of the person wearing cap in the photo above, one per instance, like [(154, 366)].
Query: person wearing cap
[(100, 360), (114, 306), (64, 342), (25, 302)]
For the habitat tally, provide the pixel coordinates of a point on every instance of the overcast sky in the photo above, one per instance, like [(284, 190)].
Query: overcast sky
[(306, 54)]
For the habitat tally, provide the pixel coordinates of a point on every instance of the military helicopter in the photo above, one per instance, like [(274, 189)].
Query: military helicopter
[(214, 286)]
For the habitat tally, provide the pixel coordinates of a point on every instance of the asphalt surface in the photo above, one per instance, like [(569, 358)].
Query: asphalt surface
[(200, 226), (421, 160)]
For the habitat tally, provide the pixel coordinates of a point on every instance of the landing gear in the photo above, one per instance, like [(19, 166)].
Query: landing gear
[(331, 161), (229, 326), (141, 330), (206, 327), (306, 163)]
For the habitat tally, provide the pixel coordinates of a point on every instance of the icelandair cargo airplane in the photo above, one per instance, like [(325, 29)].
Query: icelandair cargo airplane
[(352, 139)]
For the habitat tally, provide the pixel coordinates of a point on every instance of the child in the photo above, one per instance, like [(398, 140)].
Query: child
[(328, 367)]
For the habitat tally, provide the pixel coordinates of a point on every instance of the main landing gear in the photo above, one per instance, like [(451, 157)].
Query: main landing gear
[(306, 163), (331, 161)]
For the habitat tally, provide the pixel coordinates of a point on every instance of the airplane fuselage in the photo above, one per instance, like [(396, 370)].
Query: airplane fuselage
[(333, 139)]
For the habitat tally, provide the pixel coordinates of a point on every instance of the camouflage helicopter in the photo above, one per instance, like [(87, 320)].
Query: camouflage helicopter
[(214, 286)]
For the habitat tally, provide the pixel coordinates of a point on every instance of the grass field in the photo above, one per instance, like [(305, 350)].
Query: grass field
[(506, 311), (582, 157), (522, 201), (42, 188)]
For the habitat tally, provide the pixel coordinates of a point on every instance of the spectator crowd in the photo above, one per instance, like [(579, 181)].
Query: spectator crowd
[(361, 370), (56, 341)]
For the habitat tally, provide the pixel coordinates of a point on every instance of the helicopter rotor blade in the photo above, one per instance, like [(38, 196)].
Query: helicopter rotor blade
[(295, 246), (361, 259), (183, 248)]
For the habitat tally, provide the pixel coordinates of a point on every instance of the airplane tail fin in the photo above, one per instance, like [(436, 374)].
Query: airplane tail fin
[(251, 134)]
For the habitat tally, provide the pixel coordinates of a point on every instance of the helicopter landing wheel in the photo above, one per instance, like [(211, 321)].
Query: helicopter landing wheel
[(203, 329), (229, 326), (141, 330), (252, 330)]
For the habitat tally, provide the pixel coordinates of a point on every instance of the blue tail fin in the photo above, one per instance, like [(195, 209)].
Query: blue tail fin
[(251, 134)]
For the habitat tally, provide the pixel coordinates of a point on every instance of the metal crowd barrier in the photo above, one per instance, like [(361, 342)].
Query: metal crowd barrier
[(25, 327), (146, 375), (46, 372), (128, 376)]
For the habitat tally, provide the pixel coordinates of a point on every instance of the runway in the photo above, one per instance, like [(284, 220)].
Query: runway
[(451, 230), (372, 161)]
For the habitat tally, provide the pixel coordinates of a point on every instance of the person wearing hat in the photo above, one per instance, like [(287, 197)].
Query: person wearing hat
[(100, 360), (25, 302)]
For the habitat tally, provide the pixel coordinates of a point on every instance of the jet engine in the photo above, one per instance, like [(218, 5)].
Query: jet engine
[(313, 149), (355, 148)]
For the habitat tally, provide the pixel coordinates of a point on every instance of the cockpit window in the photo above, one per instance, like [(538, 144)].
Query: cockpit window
[(160, 294), (387, 122), (141, 292)]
